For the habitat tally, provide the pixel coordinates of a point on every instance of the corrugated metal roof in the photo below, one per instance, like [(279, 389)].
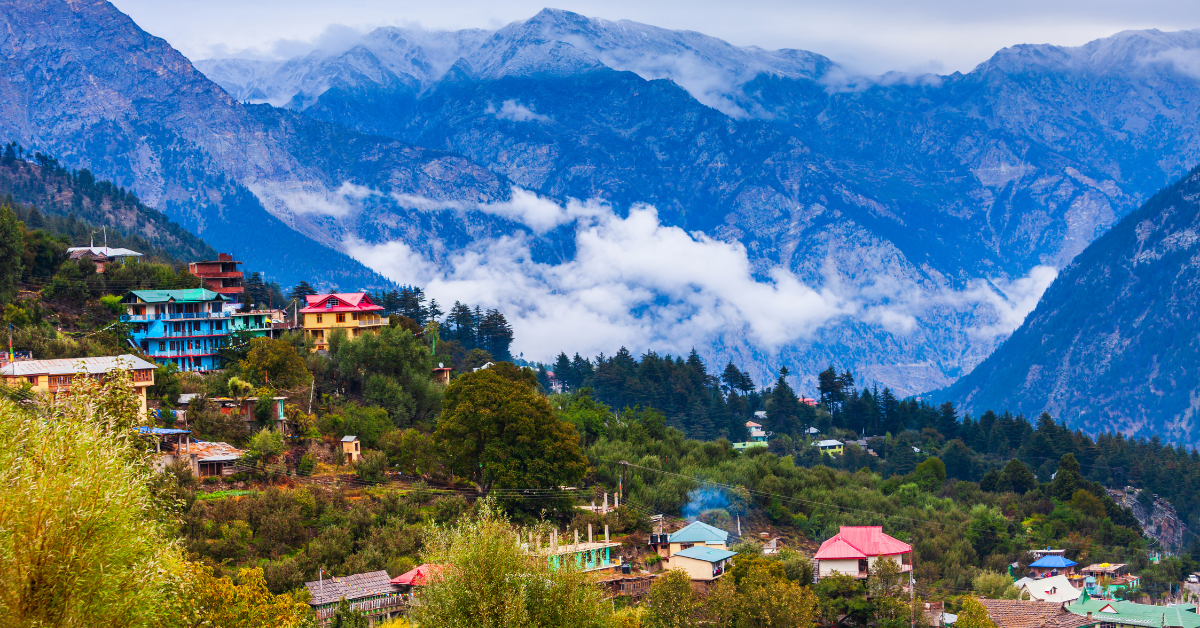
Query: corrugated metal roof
[(349, 438), (347, 302), (188, 294), (706, 554), (417, 577), (698, 532), (357, 586), (1177, 616), (867, 540), (1051, 561), (836, 548), (105, 251), (162, 430), (69, 366)]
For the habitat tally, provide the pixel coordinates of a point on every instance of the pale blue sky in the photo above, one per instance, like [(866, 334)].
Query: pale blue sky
[(869, 35)]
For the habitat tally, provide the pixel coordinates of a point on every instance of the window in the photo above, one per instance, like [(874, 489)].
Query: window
[(162, 346), (341, 317), (215, 307), (218, 326), (318, 318), (863, 566), (139, 310), (32, 379), (178, 326), (332, 302)]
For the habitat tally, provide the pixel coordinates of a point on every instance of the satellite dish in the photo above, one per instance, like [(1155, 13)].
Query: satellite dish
[(441, 366)]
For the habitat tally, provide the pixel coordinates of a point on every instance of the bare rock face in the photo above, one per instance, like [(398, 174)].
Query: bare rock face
[(1112, 345), (1160, 522)]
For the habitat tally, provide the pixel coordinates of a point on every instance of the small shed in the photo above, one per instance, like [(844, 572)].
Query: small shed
[(352, 448)]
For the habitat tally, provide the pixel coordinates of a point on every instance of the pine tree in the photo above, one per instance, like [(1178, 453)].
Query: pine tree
[(496, 336), (302, 290)]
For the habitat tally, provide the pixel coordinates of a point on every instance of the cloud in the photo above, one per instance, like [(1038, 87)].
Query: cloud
[(1186, 61), (637, 283), (515, 111), (1011, 300)]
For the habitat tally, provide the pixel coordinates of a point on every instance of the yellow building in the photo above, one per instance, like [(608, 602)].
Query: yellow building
[(52, 377), (831, 447), (353, 312)]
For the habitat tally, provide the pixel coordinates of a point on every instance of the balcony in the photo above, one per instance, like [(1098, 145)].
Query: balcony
[(383, 321), (146, 318)]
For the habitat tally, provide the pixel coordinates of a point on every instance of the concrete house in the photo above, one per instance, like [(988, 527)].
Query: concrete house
[(352, 448), (703, 564), (52, 377), (353, 312), (855, 549), (695, 533)]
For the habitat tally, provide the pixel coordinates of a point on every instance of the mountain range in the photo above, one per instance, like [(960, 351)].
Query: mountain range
[(610, 183), (1112, 345)]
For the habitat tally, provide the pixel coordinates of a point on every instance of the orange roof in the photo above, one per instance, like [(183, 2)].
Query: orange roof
[(346, 302), (863, 540)]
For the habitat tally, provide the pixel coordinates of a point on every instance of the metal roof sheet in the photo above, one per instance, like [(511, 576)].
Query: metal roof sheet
[(698, 532), (187, 294), (347, 302), (417, 577), (161, 430), (353, 587), (349, 438), (1051, 561), (69, 366), (836, 548), (868, 540), (706, 554)]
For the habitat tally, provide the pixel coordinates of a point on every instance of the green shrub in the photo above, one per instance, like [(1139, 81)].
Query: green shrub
[(113, 303), (373, 467)]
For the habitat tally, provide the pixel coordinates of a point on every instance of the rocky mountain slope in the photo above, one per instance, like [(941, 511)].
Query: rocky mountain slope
[(81, 81), (934, 206), (1112, 345), (1159, 521)]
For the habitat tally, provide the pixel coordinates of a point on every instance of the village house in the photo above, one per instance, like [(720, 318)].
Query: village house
[(351, 447), (758, 437), (53, 377), (259, 323), (1114, 614), (371, 594), (854, 550), (1052, 565), (1106, 579), (587, 555), (696, 533), (101, 256), (223, 277), (203, 458), (702, 564), (1056, 589), (407, 582), (181, 327), (1033, 614), (243, 408), (830, 447), (353, 312)]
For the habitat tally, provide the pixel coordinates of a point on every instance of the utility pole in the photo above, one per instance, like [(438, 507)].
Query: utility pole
[(621, 484)]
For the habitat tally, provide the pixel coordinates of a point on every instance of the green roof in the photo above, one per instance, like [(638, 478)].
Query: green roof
[(1138, 614), (699, 532), (189, 294), (706, 554)]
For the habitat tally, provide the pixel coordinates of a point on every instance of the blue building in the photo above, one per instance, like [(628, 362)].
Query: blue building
[(183, 327)]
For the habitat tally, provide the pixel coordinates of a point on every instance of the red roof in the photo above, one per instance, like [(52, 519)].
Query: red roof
[(346, 302), (417, 577), (752, 424), (860, 542)]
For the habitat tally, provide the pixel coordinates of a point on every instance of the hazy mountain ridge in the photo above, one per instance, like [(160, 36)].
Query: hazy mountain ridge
[(83, 82), (1113, 343), (916, 192)]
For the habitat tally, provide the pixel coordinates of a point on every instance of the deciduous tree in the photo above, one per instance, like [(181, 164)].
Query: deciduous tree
[(497, 430)]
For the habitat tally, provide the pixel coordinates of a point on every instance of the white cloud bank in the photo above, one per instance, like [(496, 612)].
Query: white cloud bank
[(637, 283)]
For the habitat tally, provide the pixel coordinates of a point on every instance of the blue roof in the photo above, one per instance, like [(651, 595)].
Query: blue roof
[(162, 430), (1053, 562), (706, 554), (698, 532)]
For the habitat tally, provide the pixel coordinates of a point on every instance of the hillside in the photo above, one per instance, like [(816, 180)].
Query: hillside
[(1113, 343), (88, 204)]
